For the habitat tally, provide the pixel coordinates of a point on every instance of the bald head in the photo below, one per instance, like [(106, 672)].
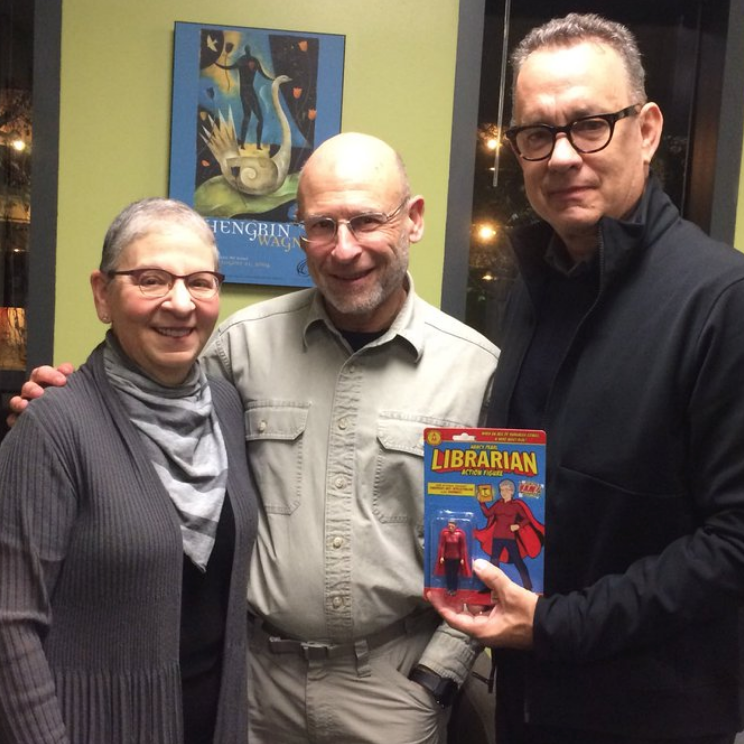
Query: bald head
[(353, 158)]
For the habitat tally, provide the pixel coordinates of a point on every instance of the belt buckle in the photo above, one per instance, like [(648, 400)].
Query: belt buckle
[(311, 650), (314, 651)]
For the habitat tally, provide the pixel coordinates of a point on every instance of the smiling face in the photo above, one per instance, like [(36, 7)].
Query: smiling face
[(164, 335), (362, 283), (570, 190)]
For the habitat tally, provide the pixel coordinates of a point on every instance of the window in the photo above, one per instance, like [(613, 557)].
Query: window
[(689, 56), (30, 33), (16, 63)]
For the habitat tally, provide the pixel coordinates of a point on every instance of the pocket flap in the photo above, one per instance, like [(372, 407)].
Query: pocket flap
[(275, 420), (401, 435)]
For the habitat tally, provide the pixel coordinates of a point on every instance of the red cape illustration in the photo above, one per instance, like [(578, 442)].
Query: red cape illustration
[(530, 536)]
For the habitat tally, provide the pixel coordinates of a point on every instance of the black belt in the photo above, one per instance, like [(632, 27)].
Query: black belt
[(314, 651)]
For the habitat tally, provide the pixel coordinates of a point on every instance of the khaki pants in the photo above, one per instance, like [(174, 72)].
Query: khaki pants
[(349, 699)]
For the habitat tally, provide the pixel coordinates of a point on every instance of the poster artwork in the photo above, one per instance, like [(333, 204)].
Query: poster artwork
[(249, 107)]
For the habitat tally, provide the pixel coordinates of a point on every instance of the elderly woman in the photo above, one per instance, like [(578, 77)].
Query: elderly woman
[(126, 516)]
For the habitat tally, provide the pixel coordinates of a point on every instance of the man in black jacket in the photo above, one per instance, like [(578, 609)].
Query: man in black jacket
[(624, 340)]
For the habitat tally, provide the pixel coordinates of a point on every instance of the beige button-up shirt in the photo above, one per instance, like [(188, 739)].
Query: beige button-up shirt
[(335, 444)]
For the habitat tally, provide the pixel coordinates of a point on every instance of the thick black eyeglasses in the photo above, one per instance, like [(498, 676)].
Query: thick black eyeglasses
[(587, 134), (155, 283), (322, 230)]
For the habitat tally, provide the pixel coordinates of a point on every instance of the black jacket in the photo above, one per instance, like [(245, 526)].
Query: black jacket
[(638, 631)]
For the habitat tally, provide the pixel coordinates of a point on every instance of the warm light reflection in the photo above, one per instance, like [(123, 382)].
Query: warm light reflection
[(489, 136), (486, 232), (488, 277), (18, 144), (12, 338)]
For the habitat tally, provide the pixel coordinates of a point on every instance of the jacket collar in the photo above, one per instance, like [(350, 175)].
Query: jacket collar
[(620, 241)]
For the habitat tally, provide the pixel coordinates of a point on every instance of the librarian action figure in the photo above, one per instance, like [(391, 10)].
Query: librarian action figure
[(452, 556)]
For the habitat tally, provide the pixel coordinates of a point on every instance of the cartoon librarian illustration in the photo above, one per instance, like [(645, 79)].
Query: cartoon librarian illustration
[(511, 530)]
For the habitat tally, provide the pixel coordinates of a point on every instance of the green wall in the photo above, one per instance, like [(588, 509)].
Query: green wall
[(115, 118)]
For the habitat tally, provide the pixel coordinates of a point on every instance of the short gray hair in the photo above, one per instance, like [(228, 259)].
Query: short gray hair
[(146, 216), (576, 28)]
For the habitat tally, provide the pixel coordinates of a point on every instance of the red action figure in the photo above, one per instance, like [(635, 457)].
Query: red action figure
[(452, 555)]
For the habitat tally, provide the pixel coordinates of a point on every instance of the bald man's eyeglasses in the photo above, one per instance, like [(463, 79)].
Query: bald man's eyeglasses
[(322, 230), (587, 134)]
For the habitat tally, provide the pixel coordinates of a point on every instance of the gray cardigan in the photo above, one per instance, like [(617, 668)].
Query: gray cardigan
[(91, 561)]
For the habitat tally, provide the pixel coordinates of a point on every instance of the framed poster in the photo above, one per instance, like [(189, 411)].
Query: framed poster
[(249, 106)]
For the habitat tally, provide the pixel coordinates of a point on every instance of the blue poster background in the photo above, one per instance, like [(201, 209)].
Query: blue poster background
[(249, 107)]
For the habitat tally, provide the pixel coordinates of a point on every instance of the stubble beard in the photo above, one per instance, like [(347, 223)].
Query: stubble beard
[(358, 304)]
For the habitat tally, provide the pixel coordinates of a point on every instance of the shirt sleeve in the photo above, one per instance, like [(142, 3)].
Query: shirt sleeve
[(450, 654), (37, 511)]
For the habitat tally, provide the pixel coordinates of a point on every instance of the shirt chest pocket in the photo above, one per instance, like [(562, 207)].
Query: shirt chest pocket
[(275, 435), (399, 469)]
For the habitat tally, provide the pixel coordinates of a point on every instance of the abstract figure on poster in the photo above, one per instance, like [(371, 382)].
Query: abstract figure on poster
[(247, 66), (251, 174)]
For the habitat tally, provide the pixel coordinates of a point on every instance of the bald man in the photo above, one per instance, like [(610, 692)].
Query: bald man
[(338, 383)]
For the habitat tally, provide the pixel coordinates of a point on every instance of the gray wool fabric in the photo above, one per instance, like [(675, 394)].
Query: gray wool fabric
[(91, 559)]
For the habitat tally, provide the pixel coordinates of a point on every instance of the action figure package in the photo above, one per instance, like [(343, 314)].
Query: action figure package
[(484, 498)]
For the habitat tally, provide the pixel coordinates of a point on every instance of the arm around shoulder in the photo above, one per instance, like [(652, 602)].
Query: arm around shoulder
[(40, 378)]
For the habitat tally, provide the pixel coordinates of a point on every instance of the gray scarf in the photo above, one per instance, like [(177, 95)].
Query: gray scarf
[(183, 438)]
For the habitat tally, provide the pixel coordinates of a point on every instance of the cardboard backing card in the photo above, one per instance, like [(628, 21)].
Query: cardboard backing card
[(484, 497)]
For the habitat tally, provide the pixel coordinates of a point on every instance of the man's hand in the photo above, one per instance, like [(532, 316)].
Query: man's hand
[(41, 377), (508, 624)]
